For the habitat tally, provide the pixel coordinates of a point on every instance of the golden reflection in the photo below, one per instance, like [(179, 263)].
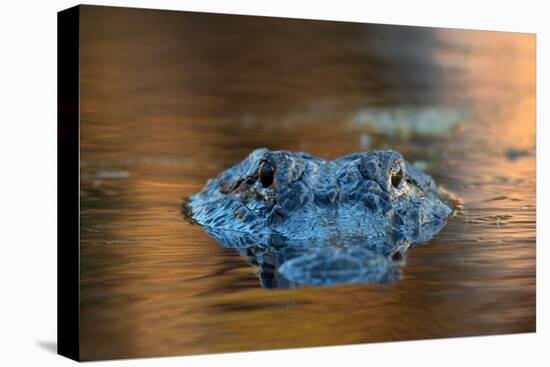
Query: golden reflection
[(169, 99)]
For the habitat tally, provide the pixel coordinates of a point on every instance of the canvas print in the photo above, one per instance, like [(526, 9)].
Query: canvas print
[(249, 183)]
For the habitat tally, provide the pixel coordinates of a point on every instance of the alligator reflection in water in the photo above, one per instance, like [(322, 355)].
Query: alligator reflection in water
[(308, 221), (286, 263)]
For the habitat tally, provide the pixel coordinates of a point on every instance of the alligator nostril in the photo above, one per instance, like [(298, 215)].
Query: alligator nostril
[(396, 178)]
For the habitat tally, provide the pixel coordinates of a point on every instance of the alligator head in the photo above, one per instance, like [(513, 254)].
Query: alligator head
[(279, 200)]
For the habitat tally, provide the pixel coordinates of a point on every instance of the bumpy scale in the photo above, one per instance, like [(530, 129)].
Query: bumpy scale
[(321, 222)]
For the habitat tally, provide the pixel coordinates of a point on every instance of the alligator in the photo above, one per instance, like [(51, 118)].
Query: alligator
[(309, 221)]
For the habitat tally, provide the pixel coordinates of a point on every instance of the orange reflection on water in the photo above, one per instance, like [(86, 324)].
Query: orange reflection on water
[(170, 99)]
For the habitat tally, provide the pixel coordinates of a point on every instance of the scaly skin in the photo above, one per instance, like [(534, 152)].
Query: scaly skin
[(320, 219)]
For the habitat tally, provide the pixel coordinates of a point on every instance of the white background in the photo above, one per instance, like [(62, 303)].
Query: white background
[(28, 183)]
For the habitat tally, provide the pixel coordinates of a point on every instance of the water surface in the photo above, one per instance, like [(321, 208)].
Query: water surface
[(171, 99)]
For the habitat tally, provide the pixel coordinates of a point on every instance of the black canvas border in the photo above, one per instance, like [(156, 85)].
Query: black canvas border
[(68, 182)]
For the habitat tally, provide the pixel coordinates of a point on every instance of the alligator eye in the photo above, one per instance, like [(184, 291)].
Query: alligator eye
[(396, 178), (266, 174)]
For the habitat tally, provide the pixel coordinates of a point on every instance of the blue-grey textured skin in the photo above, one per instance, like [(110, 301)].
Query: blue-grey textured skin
[(322, 222)]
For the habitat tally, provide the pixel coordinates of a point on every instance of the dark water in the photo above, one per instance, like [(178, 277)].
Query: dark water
[(170, 99)]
